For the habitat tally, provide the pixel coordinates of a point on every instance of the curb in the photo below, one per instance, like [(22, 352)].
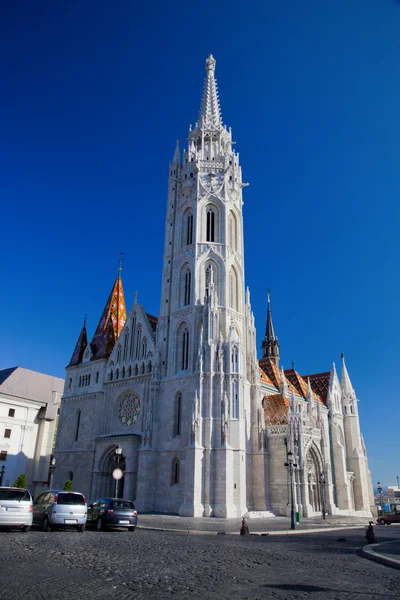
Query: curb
[(370, 553), (259, 533)]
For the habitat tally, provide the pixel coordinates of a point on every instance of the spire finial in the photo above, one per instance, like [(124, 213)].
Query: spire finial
[(136, 297), (210, 64), (342, 356), (121, 258), (268, 296), (84, 321), (292, 365)]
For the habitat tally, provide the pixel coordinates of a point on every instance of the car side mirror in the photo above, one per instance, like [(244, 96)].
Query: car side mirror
[(90, 506)]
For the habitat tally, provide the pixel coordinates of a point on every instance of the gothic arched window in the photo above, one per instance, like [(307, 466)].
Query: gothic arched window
[(138, 341), (188, 282), (175, 471), (125, 345), (210, 236), (235, 399), (232, 231), (185, 349), (235, 360), (233, 289), (132, 345), (119, 354), (78, 422), (189, 229), (144, 348), (177, 415)]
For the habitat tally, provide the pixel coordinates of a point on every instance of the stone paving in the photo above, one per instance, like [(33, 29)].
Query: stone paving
[(156, 565), (272, 524)]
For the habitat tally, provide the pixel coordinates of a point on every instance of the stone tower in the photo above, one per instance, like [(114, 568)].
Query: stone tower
[(202, 333)]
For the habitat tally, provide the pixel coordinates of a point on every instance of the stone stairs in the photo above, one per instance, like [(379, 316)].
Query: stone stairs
[(259, 514)]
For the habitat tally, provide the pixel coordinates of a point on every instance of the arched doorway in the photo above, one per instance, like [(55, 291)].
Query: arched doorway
[(109, 486), (314, 470)]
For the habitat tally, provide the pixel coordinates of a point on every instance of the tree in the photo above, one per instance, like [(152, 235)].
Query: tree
[(20, 482), (68, 486)]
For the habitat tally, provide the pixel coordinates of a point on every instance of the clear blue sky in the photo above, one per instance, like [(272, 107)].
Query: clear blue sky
[(92, 98)]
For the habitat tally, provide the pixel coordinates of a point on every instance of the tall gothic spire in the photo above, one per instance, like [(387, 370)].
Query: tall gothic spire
[(210, 110), (81, 344), (270, 345), (345, 383), (111, 322)]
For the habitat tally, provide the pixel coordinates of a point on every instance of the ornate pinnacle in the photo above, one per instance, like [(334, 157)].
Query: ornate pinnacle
[(210, 63)]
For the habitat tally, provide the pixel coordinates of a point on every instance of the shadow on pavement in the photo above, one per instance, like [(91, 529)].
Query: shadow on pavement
[(298, 587)]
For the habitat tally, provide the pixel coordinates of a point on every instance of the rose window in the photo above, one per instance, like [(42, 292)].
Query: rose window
[(129, 408)]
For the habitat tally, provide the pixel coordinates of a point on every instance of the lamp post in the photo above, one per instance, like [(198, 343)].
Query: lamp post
[(290, 465), (322, 482), (51, 471), (379, 488), (397, 481), (3, 468), (118, 452)]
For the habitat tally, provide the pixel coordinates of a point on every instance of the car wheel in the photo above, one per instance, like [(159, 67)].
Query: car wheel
[(81, 528), (25, 528), (131, 528), (382, 521), (100, 526), (46, 525)]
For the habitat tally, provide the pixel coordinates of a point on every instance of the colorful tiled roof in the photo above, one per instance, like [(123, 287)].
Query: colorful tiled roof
[(153, 321), (81, 344), (275, 374), (319, 384), (276, 408), (264, 377), (300, 384), (111, 323)]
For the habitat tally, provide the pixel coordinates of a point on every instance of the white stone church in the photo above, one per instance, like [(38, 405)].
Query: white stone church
[(204, 426)]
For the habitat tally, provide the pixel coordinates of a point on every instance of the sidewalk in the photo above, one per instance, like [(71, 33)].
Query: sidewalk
[(385, 553), (272, 525)]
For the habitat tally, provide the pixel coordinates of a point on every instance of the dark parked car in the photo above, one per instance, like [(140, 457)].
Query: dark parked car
[(112, 512), (389, 518)]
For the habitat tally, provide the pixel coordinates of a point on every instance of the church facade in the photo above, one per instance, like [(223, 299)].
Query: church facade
[(205, 427)]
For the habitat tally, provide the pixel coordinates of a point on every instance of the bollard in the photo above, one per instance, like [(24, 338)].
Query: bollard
[(370, 534), (244, 530)]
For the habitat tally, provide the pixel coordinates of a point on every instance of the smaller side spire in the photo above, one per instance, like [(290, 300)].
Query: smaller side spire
[(80, 347), (309, 395), (270, 345), (345, 383), (177, 154)]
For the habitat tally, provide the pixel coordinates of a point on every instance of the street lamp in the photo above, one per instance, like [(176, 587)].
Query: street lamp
[(118, 452), (51, 470), (397, 481), (322, 481), (290, 465), (3, 468), (379, 488)]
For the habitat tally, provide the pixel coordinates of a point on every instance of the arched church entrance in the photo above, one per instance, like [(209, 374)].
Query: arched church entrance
[(109, 487), (314, 470)]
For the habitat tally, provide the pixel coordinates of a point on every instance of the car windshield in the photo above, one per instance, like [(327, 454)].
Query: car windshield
[(14, 495), (70, 499), (122, 504)]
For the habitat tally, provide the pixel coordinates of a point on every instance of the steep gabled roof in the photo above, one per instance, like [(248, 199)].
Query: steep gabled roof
[(300, 384), (111, 322), (264, 377), (275, 374), (153, 321), (276, 408), (319, 384), (24, 383), (81, 344)]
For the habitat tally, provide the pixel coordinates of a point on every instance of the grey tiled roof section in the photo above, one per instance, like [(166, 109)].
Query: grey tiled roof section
[(31, 385)]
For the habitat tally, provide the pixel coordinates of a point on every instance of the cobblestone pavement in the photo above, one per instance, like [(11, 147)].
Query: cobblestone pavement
[(160, 565), (255, 525)]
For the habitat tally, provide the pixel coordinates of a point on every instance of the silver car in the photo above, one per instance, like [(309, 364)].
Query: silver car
[(15, 508), (60, 509)]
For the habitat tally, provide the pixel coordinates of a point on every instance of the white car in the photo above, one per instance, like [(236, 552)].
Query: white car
[(15, 508)]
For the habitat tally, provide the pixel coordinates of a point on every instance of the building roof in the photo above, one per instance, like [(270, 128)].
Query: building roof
[(319, 384), (276, 408), (111, 322), (275, 374), (31, 385), (300, 384), (80, 348), (153, 321)]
